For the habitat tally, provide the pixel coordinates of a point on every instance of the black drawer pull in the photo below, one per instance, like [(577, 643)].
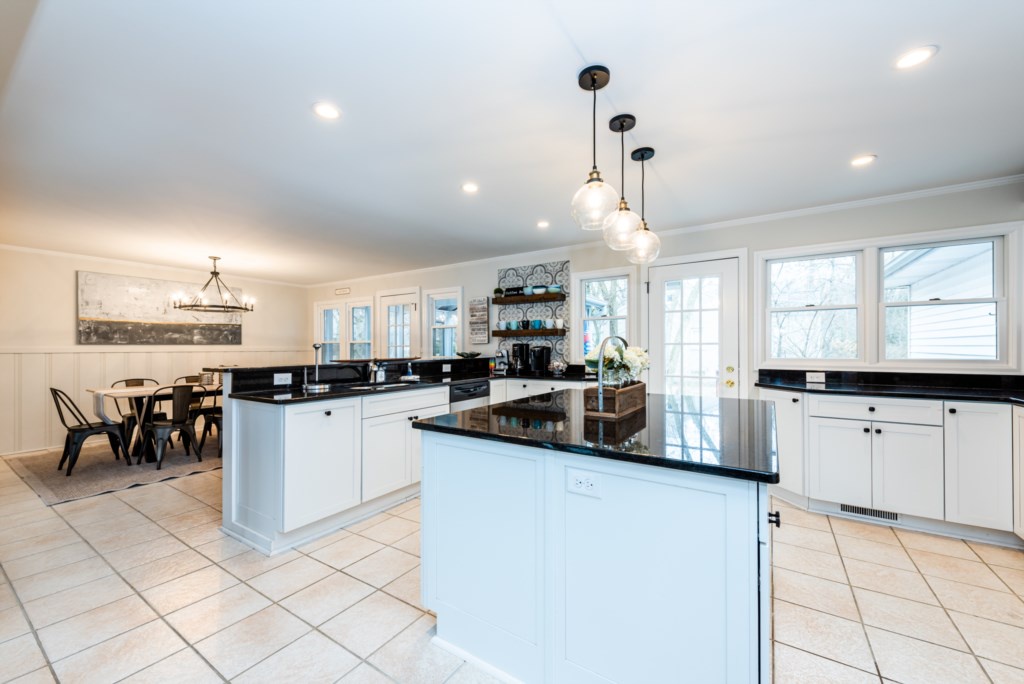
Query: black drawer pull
[(412, 418), (327, 413), (795, 400), (867, 429), (952, 410), (878, 431), (871, 408)]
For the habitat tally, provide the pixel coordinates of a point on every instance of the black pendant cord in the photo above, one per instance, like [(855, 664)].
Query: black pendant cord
[(593, 122), (643, 184), (622, 163)]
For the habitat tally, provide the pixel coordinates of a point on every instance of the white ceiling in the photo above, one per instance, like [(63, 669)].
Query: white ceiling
[(166, 131)]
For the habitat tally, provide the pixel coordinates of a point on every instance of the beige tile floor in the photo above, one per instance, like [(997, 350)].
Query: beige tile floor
[(141, 586)]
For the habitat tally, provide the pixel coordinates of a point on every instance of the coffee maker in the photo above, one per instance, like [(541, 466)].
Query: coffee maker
[(521, 357), (540, 358)]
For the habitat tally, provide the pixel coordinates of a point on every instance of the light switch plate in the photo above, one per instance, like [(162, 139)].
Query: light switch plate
[(282, 378), (816, 377), (446, 368)]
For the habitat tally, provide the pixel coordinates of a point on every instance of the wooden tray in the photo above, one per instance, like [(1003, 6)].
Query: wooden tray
[(618, 401)]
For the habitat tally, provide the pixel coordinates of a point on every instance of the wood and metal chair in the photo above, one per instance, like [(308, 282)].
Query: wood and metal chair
[(80, 428), (161, 431)]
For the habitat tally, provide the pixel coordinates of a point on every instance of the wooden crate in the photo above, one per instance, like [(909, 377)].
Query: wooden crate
[(613, 431), (618, 401)]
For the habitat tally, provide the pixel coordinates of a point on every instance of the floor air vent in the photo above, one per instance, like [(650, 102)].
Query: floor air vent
[(884, 515)]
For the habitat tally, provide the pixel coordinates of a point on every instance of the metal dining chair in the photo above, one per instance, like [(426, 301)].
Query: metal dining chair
[(80, 428), (161, 431), (128, 418), (212, 417), (196, 405)]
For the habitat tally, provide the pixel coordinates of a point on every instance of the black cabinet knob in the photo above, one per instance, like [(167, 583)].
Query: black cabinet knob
[(412, 418), (952, 410), (327, 413), (867, 429), (878, 431), (871, 408), (795, 400)]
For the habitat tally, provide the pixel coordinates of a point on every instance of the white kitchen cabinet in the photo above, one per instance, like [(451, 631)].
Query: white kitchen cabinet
[(391, 450), (907, 469), (876, 409), (1018, 471), (498, 389), (979, 464), (789, 437), (516, 389), (840, 467)]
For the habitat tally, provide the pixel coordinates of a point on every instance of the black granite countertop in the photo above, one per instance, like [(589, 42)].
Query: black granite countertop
[(724, 437), (938, 386)]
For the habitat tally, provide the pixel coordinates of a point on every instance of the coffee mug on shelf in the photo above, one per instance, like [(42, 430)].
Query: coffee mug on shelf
[(549, 323), (502, 325), (513, 325), (536, 324), (528, 290), (559, 323)]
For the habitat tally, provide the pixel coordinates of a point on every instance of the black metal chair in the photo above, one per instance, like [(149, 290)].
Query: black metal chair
[(128, 418), (81, 430), (161, 431), (213, 416), (195, 405)]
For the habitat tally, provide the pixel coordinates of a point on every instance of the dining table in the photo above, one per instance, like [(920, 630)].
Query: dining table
[(139, 398)]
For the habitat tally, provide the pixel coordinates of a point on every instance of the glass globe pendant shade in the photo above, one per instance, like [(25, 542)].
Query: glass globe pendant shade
[(646, 246), (620, 228), (593, 202)]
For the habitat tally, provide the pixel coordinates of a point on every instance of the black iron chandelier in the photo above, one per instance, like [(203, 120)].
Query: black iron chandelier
[(215, 297)]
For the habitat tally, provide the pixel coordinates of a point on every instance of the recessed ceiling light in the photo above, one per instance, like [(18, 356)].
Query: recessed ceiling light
[(863, 160), (325, 110), (916, 56), (470, 188), (543, 224)]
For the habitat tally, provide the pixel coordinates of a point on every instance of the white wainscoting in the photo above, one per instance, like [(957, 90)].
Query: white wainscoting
[(28, 419)]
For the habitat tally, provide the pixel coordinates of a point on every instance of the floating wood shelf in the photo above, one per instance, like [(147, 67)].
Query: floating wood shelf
[(545, 332), (530, 299)]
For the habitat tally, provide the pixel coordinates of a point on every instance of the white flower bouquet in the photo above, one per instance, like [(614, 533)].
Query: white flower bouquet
[(620, 365)]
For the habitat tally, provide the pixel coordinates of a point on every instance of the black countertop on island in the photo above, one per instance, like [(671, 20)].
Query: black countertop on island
[(938, 386), (724, 437)]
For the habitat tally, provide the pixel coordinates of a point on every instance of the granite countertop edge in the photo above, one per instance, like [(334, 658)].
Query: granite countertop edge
[(1015, 397)]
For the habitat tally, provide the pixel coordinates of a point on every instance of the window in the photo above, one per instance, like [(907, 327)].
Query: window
[(812, 307), (360, 327), (941, 301), (605, 310), (442, 321), (328, 330)]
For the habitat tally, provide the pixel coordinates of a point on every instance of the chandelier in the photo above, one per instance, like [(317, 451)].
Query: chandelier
[(216, 299)]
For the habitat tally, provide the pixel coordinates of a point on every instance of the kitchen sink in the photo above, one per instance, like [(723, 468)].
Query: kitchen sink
[(377, 387)]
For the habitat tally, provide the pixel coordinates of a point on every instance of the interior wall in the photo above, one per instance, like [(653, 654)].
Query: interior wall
[(38, 350), (917, 213)]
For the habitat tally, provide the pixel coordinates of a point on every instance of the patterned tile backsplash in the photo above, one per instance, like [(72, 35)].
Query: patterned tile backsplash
[(552, 273)]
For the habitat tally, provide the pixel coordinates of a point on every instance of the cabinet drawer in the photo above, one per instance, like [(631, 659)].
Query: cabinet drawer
[(400, 402), (878, 409)]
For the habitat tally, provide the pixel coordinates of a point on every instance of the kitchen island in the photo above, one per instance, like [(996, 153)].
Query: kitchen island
[(561, 548)]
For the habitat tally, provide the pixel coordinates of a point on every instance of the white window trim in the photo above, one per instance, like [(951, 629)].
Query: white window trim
[(380, 331), (1012, 259), (574, 336), (347, 333), (318, 320), (426, 338)]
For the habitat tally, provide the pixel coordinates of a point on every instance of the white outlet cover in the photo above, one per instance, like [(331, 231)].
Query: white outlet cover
[(446, 368), (282, 378), (584, 482), (816, 377)]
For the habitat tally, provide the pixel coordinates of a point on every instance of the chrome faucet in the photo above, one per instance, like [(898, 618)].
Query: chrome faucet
[(600, 368), (316, 362)]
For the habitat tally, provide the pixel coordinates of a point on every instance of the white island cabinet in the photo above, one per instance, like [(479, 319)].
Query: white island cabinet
[(550, 566)]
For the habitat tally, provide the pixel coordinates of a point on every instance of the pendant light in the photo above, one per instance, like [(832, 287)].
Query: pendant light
[(225, 300), (620, 226), (596, 199), (646, 245)]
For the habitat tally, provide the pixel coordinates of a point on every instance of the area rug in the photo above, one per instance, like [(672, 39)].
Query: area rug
[(97, 472)]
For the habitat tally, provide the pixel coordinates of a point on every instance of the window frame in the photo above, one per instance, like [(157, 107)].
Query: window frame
[(411, 295), (578, 301), (318, 324), (427, 339), (347, 335), (872, 331)]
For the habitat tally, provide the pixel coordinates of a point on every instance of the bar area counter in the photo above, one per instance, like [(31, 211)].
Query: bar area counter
[(562, 548)]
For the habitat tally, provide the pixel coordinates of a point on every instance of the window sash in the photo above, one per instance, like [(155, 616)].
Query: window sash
[(585, 319)]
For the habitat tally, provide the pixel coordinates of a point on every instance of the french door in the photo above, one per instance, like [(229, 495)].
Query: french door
[(399, 326), (694, 329)]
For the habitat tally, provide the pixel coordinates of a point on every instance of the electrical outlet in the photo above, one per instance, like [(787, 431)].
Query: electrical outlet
[(446, 368), (583, 482), (282, 378), (815, 377)]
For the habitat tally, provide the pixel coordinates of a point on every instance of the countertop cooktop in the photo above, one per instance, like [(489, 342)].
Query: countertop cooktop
[(724, 437)]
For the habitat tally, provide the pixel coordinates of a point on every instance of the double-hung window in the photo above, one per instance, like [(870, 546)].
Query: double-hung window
[(942, 300), (360, 330), (442, 321), (813, 308), (605, 310)]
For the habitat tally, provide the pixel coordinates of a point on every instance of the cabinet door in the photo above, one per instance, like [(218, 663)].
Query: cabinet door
[(906, 469), (840, 461), (789, 437), (498, 391), (321, 461), (535, 387), (516, 389), (415, 439), (1018, 471), (979, 464), (386, 463)]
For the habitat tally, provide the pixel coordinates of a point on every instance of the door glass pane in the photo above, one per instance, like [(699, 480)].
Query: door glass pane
[(692, 366), (824, 334), (942, 331), (399, 330)]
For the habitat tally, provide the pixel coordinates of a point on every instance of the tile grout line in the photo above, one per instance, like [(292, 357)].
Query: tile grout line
[(31, 627)]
